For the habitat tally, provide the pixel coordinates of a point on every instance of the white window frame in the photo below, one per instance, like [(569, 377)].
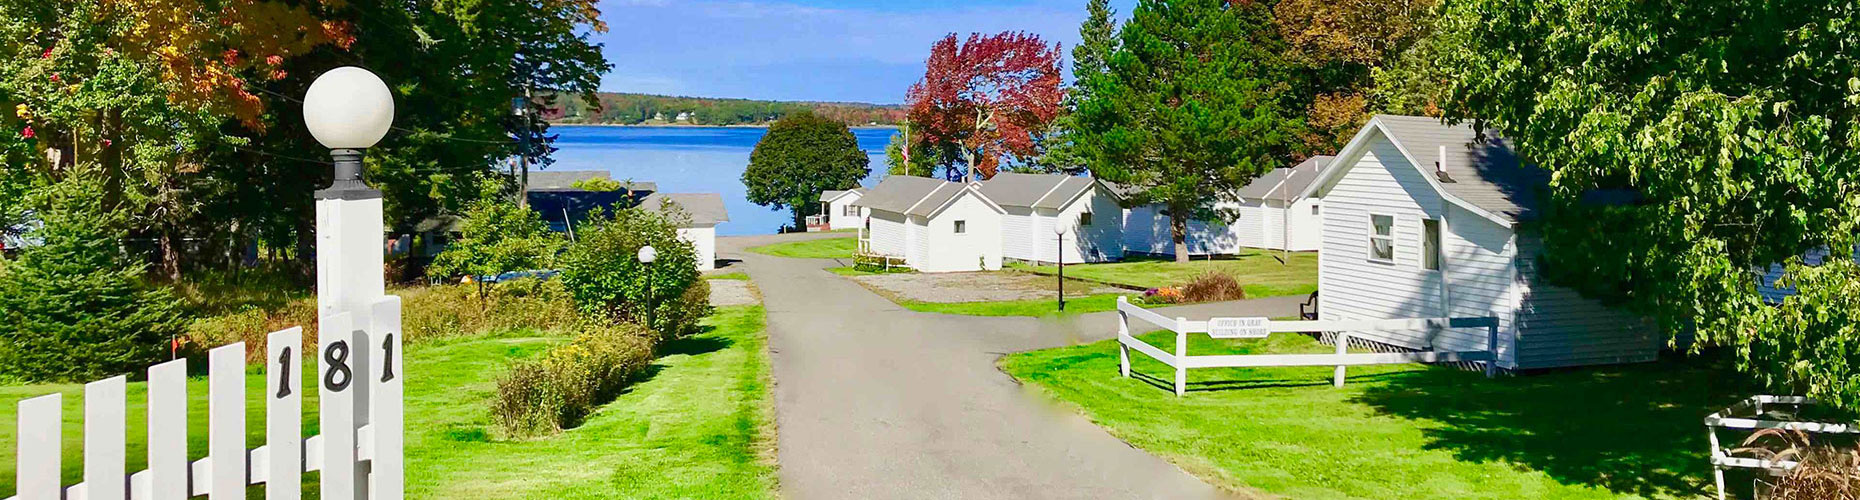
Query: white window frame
[(962, 227), (1085, 219), (1433, 246), (849, 210), (1370, 250)]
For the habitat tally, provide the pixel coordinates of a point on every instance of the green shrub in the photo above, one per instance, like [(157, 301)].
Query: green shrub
[(76, 308), (603, 273), (559, 390), (498, 237)]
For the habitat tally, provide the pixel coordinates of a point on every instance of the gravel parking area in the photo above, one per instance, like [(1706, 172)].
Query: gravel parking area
[(975, 287), (732, 293)]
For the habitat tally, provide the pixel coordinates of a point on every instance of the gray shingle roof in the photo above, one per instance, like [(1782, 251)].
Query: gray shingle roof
[(1268, 186), (898, 193), (829, 195), (564, 180), (1484, 170), (1011, 189), (704, 208)]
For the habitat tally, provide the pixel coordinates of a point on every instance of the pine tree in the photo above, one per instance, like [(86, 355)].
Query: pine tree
[(1191, 107)]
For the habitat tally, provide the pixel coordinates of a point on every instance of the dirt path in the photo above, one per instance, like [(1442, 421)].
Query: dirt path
[(876, 401)]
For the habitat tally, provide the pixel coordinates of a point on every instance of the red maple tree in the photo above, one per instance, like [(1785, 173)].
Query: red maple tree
[(988, 97)]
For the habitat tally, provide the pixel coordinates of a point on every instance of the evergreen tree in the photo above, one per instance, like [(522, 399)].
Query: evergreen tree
[(75, 307), (1098, 41), (1190, 107)]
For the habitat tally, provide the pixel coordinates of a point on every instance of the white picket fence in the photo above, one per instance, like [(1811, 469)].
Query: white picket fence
[(359, 451), (1256, 328)]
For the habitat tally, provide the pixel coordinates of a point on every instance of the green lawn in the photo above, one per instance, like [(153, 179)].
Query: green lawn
[(735, 276), (829, 248), (1399, 431), (700, 427), (1259, 272), (1030, 307)]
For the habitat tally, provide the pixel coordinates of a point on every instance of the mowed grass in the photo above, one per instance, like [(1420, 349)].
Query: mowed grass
[(1399, 431), (829, 248), (701, 426), (1259, 272), (1029, 307)]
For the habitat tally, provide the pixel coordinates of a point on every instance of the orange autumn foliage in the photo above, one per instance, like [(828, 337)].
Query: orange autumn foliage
[(206, 54)]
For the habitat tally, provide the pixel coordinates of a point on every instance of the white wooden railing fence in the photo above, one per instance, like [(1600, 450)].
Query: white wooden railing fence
[(359, 451), (1256, 328)]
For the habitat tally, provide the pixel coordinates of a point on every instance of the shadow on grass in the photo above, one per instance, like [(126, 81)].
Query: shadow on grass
[(695, 345), (1240, 385), (1628, 429)]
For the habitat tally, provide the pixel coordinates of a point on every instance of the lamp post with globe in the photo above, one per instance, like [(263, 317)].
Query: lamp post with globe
[(646, 255), (348, 110), (1059, 233)]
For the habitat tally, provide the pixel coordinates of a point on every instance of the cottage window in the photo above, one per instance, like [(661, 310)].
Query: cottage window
[(1382, 238), (1430, 244), (1314, 210), (849, 211), (962, 226), (1085, 219)]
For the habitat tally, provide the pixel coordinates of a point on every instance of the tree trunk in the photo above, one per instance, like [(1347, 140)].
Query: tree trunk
[(800, 220), (170, 256), (1178, 230)]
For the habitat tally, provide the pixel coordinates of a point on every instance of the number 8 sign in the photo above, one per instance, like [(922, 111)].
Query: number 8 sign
[(334, 336)]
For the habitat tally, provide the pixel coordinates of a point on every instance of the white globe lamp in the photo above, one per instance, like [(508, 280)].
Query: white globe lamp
[(348, 108), (647, 254)]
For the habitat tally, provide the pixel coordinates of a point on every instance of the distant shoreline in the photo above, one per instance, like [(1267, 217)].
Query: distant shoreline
[(679, 125)]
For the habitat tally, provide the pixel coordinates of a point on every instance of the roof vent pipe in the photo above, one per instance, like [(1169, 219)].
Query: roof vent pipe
[(1440, 166)]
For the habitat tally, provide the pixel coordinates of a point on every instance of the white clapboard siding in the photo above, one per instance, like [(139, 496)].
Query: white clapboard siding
[(1104, 238), (887, 234), (1017, 235), (1478, 253), (1559, 327)]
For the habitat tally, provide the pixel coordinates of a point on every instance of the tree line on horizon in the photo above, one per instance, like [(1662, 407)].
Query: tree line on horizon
[(647, 109), (1729, 128)]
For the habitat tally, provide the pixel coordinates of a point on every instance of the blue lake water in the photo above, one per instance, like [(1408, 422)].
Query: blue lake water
[(692, 160)]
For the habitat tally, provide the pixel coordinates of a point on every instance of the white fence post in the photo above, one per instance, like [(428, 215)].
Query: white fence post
[(167, 476), (105, 425), (284, 440), (1123, 330), (41, 434), (226, 453), (1491, 344), (1343, 347), (1181, 357), (386, 467), (335, 382)]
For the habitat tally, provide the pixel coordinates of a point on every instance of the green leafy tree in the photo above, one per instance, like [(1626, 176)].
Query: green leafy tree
[(1691, 143), (603, 273), (802, 155), (922, 163), (1190, 108), (498, 237), (76, 307)]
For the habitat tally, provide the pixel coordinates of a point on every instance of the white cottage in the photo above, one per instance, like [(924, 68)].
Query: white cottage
[(1085, 208), (838, 212), (705, 211), (934, 225), (1421, 220), (1275, 213)]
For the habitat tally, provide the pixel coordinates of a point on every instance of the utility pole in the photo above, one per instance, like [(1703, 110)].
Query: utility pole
[(523, 154)]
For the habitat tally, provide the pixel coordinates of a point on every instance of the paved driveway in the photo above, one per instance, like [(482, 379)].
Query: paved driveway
[(876, 401)]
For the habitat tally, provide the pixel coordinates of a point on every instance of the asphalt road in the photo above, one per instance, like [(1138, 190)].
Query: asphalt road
[(876, 401)]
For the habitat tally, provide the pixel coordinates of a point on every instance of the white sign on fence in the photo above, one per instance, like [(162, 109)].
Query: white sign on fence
[(1238, 328), (359, 460)]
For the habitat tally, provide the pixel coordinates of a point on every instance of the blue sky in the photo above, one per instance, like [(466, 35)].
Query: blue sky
[(814, 50)]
